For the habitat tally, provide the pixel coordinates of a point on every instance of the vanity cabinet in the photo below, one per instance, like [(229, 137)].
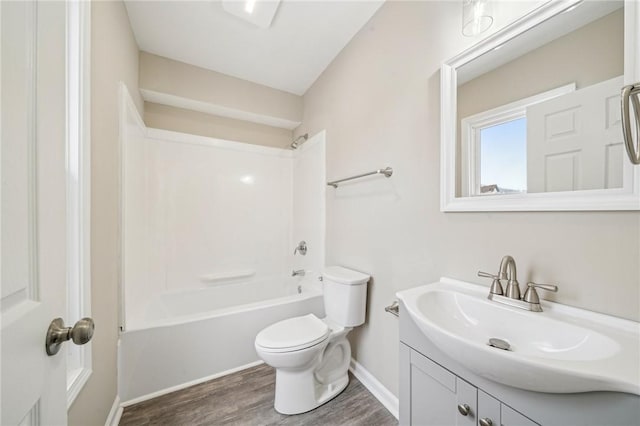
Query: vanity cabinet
[(439, 397), (433, 385)]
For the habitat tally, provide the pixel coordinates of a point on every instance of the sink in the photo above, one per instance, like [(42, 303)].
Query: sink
[(560, 350)]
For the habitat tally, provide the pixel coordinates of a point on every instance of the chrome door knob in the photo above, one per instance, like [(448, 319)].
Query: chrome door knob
[(57, 334), (464, 409)]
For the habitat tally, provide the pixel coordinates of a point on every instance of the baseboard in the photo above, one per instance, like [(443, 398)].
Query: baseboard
[(116, 412), (188, 384), (382, 394)]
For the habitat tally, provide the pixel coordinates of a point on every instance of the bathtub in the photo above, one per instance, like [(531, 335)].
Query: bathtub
[(192, 336)]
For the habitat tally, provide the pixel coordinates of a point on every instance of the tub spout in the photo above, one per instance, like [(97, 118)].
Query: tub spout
[(298, 273)]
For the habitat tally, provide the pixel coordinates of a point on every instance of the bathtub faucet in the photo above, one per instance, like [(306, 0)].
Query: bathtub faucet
[(301, 248), (298, 273)]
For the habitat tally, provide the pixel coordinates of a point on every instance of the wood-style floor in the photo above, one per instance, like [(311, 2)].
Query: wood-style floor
[(246, 398)]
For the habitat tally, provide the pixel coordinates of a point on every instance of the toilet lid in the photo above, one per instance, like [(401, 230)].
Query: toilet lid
[(293, 334)]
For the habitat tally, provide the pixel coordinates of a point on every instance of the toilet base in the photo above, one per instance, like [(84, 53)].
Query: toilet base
[(308, 393)]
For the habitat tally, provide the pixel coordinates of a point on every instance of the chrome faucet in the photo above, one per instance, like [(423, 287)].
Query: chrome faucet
[(298, 273), (511, 296), (508, 272), (301, 248)]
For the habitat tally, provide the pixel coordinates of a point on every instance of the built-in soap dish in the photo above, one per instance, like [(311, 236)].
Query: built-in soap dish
[(499, 343)]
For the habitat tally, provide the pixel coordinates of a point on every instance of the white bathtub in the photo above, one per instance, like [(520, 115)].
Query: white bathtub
[(192, 336)]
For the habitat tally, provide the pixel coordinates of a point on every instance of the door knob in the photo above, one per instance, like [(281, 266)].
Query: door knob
[(57, 334)]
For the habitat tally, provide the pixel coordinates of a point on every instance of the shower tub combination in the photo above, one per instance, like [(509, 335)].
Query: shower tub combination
[(209, 228), (192, 336)]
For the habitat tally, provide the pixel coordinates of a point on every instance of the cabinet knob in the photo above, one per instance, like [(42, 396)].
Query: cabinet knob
[(486, 422), (464, 409)]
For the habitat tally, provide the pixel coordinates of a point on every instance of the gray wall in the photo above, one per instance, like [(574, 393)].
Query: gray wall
[(211, 88), (380, 103), (114, 58), (177, 78), (199, 123)]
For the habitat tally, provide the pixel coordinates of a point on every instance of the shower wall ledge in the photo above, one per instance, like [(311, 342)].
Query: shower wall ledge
[(216, 109)]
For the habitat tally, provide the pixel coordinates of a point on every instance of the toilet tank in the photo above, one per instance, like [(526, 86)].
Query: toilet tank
[(345, 295)]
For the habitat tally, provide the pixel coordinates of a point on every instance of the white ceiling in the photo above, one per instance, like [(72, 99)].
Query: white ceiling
[(304, 38)]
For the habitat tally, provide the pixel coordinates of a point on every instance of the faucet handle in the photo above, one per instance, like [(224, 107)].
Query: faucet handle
[(301, 248), (548, 287), (531, 295), (496, 287), (487, 275), (298, 273)]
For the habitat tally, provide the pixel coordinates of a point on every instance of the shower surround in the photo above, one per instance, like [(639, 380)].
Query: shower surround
[(209, 229)]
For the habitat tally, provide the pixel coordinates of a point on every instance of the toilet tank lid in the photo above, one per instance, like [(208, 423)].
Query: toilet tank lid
[(343, 275)]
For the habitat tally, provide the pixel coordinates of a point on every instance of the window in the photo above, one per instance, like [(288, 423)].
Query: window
[(503, 157), (494, 147)]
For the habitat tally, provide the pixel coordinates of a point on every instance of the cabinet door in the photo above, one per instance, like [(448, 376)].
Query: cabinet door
[(488, 410), (511, 417), (467, 396), (435, 394)]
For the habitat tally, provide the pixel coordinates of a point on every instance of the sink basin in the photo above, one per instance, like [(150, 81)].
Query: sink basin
[(560, 350)]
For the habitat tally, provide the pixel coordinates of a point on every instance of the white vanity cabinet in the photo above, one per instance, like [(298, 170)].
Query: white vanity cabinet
[(433, 385), (439, 397)]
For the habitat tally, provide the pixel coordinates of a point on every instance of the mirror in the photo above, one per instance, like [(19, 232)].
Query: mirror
[(531, 115)]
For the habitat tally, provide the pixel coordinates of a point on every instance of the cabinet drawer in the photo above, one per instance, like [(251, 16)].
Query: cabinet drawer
[(511, 417), (437, 372), (437, 396)]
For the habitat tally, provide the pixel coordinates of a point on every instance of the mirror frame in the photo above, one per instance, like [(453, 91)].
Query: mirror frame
[(625, 198)]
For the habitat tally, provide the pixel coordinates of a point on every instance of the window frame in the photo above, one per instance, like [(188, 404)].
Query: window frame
[(78, 170), (470, 134)]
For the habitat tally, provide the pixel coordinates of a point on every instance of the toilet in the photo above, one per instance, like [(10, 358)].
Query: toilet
[(312, 355)]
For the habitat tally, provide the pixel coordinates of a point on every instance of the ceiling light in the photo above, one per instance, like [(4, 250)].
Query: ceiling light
[(249, 6), (256, 12)]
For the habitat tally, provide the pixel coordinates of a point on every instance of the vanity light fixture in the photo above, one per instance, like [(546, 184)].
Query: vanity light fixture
[(476, 17)]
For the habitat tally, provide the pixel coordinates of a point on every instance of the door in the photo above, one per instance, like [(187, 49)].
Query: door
[(33, 210), (574, 141)]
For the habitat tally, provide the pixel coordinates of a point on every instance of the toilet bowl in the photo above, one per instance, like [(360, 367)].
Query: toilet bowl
[(312, 355), (310, 369)]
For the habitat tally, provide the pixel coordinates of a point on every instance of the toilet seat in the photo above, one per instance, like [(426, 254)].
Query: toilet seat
[(293, 334)]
